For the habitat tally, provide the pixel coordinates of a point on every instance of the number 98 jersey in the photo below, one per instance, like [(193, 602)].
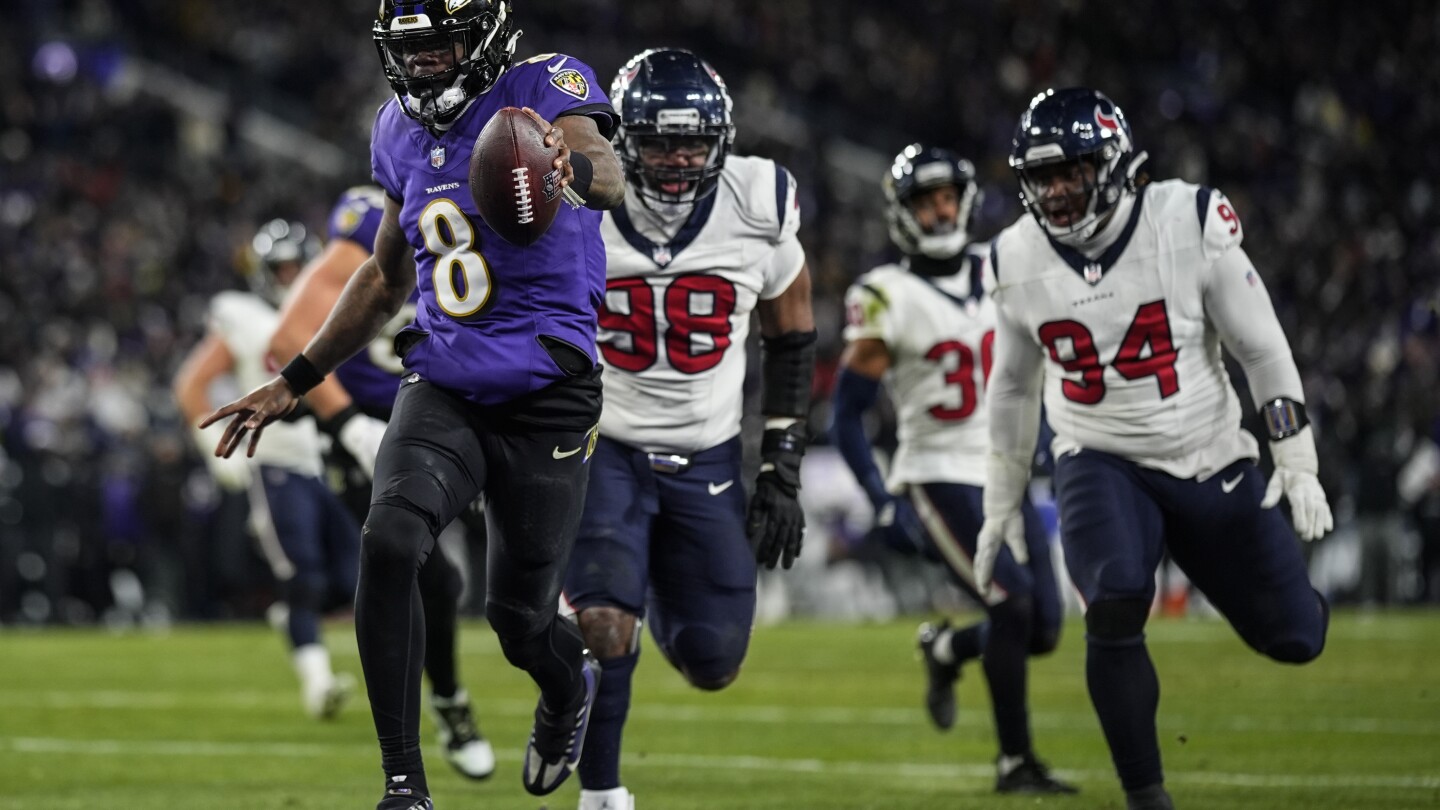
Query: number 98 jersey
[(1133, 364), (676, 315), (938, 332)]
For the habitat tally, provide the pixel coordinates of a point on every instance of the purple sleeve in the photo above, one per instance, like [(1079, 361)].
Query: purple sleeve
[(380, 167), (564, 84)]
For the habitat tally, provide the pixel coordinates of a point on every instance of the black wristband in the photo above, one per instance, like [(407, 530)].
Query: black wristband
[(1284, 418), (301, 375), (584, 173)]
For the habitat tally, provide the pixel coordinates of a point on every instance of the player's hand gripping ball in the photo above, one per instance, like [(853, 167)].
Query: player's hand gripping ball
[(513, 178)]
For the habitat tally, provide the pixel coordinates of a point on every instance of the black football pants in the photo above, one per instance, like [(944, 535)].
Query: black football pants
[(528, 458)]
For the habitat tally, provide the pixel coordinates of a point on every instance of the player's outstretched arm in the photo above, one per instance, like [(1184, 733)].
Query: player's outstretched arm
[(1013, 399), (1237, 302), (587, 160), (776, 523), (373, 296)]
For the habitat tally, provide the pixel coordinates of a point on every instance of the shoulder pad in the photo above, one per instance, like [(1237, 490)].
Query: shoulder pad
[(767, 194), (1220, 227)]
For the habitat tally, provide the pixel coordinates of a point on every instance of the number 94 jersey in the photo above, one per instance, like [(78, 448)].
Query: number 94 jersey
[(1133, 364), (938, 332), (675, 315)]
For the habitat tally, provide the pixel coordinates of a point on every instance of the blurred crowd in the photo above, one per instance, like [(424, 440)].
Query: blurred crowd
[(143, 141)]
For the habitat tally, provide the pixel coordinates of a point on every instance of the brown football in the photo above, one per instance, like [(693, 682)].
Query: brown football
[(513, 179)]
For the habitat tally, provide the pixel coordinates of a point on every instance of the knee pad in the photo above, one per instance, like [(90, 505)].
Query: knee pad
[(705, 659), (394, 534), (1117, 622), (1298, 648), (610, 632)]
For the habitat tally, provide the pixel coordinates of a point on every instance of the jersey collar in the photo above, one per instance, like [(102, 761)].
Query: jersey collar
[(662, 255), (1093, 270)]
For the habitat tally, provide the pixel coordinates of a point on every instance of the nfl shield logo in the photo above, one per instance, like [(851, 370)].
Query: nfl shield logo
[(437, 157), (661, 255), (1093, 273)]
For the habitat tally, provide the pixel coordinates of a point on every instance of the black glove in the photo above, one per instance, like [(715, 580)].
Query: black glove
[(776, 523)]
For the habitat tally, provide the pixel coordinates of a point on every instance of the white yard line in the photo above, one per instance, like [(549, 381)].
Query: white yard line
[(904, 773), (760, 715)]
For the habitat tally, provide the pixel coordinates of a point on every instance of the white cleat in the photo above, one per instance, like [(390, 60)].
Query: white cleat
[(466, 749), (325, 701), (614, 799)]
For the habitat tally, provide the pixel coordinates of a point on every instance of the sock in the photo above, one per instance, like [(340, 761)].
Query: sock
[(312, 664), (952, 646), (600, 767), (1126, 693), (1007, 650)]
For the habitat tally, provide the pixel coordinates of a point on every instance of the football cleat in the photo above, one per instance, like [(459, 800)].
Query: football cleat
[(466, 749), (1153, 797), (1027, 775), (325, 703), (399, 797), (940, 678), (613, 799), (558, 738)]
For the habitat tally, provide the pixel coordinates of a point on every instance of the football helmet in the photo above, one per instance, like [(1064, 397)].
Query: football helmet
[(278, 252), (1079, 125), (674, 95), (919, 168), (438, 55)]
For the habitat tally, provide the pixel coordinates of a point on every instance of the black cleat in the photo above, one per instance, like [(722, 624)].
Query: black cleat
[(399, 797), (557, 739), (1029, 775), (466, 749), (939, 678), (1152, 797)]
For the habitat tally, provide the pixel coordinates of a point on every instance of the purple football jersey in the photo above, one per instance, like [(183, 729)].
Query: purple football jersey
[(485, 303), (373, 376)]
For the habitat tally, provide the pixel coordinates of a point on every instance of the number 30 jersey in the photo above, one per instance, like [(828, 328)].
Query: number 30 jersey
[(1132, 360), (938, 332), (676, 314)]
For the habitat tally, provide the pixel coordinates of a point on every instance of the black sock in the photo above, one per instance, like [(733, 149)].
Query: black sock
[(600, 767), (440, 587), (1006, 653), (1126, 693)]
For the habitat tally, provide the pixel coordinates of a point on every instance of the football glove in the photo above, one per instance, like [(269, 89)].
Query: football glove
[(776, 523), (1295, 478), (1004, 493), (359, 434)]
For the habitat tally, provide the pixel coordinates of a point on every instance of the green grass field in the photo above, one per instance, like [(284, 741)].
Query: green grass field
[(825, 716)]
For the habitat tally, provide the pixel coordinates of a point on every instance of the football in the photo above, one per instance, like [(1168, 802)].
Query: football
[(513, 179)]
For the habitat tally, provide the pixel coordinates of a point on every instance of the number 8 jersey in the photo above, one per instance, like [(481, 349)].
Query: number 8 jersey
[(938, 331), (677, 311), (1133, 362)]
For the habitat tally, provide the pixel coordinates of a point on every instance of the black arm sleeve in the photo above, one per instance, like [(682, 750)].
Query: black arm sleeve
[(787, 372)]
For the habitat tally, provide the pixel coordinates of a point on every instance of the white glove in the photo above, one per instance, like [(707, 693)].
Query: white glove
[(1004, 492), (231, 474), (360, 436), (1296, 467)]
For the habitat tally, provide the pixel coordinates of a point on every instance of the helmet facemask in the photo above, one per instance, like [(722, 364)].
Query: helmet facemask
[(436, 69), (278, 252), (918, 171), (1095, 183), (675, 128)]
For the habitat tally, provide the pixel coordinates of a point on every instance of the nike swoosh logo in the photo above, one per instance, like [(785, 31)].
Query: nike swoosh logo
[(716, 489), (558, 453), (555, 67), (1229, 486)]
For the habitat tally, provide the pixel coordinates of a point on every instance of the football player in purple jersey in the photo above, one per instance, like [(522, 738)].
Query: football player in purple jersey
[(353, 406), (502, 391)]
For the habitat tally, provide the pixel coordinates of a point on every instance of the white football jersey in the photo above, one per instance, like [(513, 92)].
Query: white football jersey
[(676, 315), (1133, 365), (245, 322), (939, 333)]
